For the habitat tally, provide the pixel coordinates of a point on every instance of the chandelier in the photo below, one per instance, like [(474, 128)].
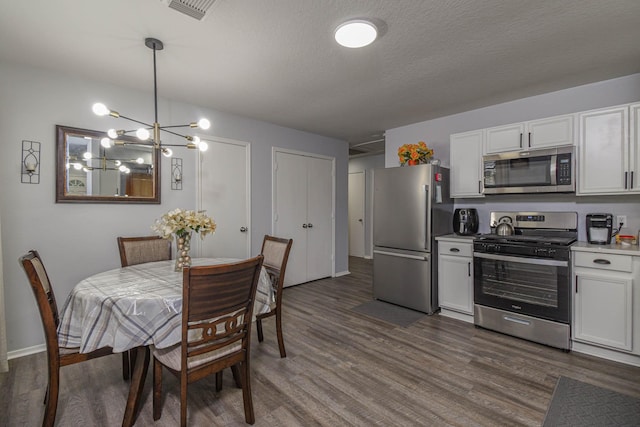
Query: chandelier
[(143, 133)]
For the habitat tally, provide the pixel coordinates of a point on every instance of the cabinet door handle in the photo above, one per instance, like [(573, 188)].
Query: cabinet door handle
[(310, 225), (576, 284), (454, 250), (529, 139), (625, 180), (304, 225), (631, 180), (469, 269), (243, 229), (480, 187), (602, 261), (520, 139)]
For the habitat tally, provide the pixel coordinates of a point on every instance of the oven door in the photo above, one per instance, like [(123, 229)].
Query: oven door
[(533, 286)]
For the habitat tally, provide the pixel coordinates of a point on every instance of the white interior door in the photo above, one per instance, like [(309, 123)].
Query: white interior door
[(356, 214), (319, 217), (290, 212), (303, 210), (224, 192)]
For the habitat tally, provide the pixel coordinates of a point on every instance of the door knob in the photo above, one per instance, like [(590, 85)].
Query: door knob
[(243, 229), (360, 220), (304, 225), (310, 225)]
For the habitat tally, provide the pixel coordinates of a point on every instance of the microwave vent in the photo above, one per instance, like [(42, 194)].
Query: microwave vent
[(194, 8)]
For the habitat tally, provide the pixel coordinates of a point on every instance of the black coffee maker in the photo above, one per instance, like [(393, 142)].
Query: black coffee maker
[(465, 221)]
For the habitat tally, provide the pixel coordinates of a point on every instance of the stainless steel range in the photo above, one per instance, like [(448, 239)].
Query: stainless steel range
[(522, 277)]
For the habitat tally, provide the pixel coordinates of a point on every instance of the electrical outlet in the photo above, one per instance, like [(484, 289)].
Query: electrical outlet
[(621, 219)]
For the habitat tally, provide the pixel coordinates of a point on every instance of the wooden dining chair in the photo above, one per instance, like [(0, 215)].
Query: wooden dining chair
[(276, 254), (217, 307), (56, 356), (138, 250)]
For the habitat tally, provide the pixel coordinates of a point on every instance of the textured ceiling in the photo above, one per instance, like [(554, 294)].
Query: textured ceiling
[(276, 60)]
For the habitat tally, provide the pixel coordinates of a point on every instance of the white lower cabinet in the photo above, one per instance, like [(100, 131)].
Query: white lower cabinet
[(455, 277), (606, 305)]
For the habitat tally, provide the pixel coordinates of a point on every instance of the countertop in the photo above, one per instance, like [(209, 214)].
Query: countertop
[(609, 249), (456, 237)]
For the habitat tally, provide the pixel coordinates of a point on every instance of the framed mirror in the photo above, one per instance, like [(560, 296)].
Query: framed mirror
[(89, 170)]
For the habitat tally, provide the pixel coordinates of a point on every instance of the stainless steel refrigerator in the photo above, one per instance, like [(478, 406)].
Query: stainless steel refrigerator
[(411, 206)]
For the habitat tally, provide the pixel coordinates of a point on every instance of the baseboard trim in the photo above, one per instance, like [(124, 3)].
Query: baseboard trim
[(26, 351), (342, 273)]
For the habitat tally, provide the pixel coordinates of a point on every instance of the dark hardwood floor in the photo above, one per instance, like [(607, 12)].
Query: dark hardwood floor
[(342, 368)]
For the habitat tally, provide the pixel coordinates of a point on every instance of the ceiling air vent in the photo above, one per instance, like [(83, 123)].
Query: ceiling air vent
[(194, 8)]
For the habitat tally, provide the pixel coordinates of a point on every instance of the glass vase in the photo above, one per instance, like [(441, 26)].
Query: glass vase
[(183, 245)]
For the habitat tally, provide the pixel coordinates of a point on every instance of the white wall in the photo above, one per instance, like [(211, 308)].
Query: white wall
[(367, 164), (436, 133), (77, 240)]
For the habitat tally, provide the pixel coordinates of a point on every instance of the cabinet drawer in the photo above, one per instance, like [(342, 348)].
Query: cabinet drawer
[(603, 261), (455, 248)]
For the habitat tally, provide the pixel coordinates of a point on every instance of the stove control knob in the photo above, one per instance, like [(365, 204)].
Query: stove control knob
[(542, 252)]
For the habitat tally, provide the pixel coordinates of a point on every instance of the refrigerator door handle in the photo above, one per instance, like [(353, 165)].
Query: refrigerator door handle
[(400, 255)]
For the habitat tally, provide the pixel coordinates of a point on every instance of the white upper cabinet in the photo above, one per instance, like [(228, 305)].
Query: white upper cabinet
[(608, 161), (544, 133), (466, 164)]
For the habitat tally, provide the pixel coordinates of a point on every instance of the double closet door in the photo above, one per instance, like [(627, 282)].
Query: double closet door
[(303, 210)]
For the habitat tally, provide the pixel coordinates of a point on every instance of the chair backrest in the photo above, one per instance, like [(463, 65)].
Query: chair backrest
[(276, 254), (217, 307), (138, 250), (45, 298)]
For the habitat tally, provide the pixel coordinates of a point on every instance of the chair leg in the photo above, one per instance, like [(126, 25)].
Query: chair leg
[(246, 394), (157, 389), (283, 353), (51, 398), (183, 399), (236, 375), (126, 366), (218, 380), (259, 328)]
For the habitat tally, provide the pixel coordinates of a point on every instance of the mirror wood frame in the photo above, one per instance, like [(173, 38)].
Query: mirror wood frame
[(62, 196)]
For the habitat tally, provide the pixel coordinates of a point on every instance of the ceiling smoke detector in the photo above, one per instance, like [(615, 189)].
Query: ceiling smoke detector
[(194, 8)]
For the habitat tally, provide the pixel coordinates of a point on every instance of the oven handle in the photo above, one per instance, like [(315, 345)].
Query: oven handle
[(551, 262)]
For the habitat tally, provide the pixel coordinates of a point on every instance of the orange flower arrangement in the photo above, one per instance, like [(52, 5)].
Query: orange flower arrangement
[(414, 154)]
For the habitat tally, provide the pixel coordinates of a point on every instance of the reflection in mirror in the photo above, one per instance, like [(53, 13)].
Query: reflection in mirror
[(93, 168)]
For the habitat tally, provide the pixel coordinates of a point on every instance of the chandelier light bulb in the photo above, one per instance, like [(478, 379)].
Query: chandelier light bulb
[(356, 33), (167, 152), (117, 162), (100, 109), (139, 160), (196, 140), (127, 170), (112, 133), (87, 155), (122, 168), (77, 166), (142, 134), (203, 146), (204, 124), (85, 169), (106, 142)]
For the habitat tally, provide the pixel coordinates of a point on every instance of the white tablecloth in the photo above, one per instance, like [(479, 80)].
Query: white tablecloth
[(135, 306)]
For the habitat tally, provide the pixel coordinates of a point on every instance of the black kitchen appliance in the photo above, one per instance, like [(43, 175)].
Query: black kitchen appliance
[(465, 221), (522, 281), (599, 228)]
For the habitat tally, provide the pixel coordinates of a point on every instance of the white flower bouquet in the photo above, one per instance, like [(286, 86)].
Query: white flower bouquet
[(182, 222)]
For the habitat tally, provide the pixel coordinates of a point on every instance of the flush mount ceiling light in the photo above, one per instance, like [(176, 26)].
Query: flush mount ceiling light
[(143, 133), (356, 33)]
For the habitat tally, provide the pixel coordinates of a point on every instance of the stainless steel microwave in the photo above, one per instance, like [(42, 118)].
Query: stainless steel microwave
[(534, 171)]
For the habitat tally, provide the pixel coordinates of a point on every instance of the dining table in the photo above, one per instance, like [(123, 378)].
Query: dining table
[(133, 308)]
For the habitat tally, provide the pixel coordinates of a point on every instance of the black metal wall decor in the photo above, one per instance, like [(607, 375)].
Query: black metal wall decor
[(30, 162), (176, 173)]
